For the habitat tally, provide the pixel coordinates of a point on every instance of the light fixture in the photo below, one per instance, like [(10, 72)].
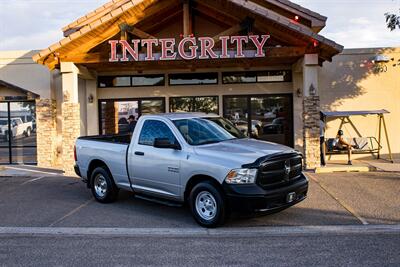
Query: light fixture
[(299, 93), (90, 98), (312, 90)]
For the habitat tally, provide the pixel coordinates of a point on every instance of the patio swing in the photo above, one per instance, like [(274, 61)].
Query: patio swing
[(364, 145)]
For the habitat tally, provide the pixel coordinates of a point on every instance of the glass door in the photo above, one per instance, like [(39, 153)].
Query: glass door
[(18, 132), (271, 119), (264, 117), (23, 124), (236, 109), (5, 156)]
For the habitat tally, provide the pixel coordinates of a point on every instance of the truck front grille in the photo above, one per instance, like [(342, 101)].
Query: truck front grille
[(280, 170)]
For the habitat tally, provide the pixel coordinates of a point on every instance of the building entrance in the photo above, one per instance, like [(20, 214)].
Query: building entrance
[(18, 132), (264, 117)]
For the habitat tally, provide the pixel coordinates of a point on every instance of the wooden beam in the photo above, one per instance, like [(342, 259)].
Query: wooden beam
[(234, 29), (141, 34), (216, 14), (186, 18)]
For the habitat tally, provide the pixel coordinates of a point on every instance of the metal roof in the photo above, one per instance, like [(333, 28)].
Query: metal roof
[(353, 113)]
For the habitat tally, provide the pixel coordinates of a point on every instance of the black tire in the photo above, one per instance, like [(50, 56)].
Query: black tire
[(28, 132), (221, 212), (101, 174)]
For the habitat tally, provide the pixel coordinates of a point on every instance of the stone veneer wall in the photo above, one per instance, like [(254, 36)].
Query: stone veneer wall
[(46, 132), (70, 132), (311, 117)]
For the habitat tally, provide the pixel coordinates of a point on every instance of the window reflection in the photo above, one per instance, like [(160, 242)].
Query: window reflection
[(115, 114), (266, 117), (206, 104), (193, 78)]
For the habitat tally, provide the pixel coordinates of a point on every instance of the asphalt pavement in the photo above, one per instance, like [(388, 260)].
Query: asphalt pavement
[(49, 219), (367, 249)]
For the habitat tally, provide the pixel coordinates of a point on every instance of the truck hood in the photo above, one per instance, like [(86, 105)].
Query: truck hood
[(241, 151)]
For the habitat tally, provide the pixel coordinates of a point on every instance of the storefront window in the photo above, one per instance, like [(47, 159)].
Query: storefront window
[(239, 77), (257, 76), (131, 81), (265, 117), (274, 76), (148, 80), (193, 78), (207, 104), (114, 114)]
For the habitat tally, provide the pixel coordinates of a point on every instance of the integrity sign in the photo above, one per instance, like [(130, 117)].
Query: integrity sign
[(187, 48)]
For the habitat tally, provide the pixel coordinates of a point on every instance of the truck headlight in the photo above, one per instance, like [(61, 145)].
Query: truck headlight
[(241, 176)]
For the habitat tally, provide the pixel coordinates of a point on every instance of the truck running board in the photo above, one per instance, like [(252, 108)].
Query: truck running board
[(169, 203)]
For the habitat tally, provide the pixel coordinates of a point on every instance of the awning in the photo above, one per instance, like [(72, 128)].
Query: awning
[(353, 113)]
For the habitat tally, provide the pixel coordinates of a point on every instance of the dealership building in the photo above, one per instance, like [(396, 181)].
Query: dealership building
[(260, 63)]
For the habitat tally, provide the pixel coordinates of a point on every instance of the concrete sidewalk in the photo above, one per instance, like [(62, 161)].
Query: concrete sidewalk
[(27, 171), (360, 165)]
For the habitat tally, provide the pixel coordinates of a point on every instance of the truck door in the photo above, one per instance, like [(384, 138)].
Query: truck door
[(155, 170)]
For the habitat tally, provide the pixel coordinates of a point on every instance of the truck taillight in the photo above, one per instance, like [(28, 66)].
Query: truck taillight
[(75, 158)]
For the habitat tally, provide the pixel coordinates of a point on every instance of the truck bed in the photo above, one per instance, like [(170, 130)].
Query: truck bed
[(111, 149)]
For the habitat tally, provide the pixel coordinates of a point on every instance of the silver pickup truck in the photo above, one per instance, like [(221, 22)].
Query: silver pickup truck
[(199, 159)]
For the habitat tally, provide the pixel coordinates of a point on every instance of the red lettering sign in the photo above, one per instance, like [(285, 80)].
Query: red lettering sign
[(188, 48)]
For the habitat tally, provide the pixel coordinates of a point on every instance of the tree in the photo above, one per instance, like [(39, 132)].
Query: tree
[(392, 21)]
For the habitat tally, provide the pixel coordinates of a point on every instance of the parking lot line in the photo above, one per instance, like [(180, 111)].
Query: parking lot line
[(342, 203), (34, 179), (71, 212)]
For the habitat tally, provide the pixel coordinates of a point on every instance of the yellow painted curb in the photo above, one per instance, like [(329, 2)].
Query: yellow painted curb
[(345, 169)]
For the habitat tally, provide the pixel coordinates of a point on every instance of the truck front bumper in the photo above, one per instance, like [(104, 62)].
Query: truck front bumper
[(253, 198)]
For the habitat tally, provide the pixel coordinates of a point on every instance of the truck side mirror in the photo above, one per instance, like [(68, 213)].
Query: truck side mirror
[(165, 143)]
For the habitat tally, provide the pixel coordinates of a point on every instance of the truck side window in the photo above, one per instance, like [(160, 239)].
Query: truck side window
[(154, 129)]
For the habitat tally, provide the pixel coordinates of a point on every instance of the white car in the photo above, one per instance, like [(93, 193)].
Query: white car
[(18, 128)]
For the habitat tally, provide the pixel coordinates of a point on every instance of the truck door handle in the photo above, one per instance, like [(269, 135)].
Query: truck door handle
[(139, 153)]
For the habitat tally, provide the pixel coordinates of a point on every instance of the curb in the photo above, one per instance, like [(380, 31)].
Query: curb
[(202, 232)]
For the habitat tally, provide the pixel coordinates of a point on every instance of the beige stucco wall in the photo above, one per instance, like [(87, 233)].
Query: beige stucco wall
[(18, 68), (350, 82), (9, 92)]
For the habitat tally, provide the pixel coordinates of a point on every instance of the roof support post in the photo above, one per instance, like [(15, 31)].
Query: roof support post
[(187, 18), (71, 115)]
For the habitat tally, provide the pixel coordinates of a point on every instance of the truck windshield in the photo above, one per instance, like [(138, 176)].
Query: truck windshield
[(201, 131)]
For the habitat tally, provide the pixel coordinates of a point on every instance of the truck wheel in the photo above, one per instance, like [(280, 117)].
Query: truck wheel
[(103, 187), (207, 205), (28, 132)]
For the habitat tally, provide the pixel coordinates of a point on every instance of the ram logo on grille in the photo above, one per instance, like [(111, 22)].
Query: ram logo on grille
[(287, 166)]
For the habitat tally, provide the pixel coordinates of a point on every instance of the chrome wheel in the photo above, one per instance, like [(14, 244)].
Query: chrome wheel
[(100, 185), (206, 206)]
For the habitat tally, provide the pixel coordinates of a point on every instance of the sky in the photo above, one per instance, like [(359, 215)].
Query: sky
[(36, 24)]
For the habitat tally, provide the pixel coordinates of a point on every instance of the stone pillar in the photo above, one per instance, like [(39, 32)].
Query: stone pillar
[(70, 110), (311, 109), (70, 132), (311, 132), (46, 132)]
